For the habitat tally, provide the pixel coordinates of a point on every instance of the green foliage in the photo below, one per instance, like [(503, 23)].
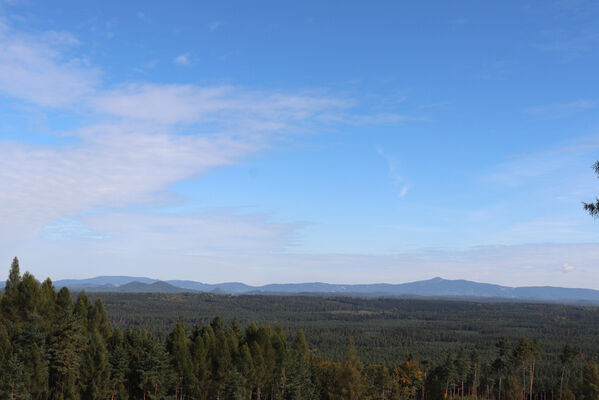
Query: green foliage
[(590, 381), (593, 208), (54, 348)]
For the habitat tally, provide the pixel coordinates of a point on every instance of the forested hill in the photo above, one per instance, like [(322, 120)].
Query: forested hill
[(436, 287)]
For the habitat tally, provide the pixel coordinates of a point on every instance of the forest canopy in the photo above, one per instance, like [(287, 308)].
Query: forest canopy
[(56, 346)]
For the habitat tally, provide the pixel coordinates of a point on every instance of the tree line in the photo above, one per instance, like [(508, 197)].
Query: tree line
[(55, 347)]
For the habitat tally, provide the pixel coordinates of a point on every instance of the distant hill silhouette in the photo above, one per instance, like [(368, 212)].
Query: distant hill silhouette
[(436, 287)]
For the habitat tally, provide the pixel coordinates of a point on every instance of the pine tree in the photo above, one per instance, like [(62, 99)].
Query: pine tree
[(567, 357), (66, 348), (14, 278), (351, 385), (119, 366), (300, 385), (199, 355), (475, 363), (590, 381), (83, 311), (501, 363), (37, 368), (99, 320), (235, 386), (150, 372), (178, 347), (13, 381), (462, 363), (245, 365), (94, 378)]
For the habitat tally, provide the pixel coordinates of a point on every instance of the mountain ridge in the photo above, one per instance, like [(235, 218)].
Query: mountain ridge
[(436, 287)]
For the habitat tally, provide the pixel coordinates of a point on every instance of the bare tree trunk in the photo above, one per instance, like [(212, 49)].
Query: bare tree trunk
[(561, 382), (532, 376), (475, 383), (500, 379)]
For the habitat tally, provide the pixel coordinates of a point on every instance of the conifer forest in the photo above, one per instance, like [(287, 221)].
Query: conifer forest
[(62, 345)]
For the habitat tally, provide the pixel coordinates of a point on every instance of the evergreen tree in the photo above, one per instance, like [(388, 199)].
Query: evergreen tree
[(178, 347), (351, 385), (37, 368), (99, 320), (590, 381), (462, 363), (83, 311), (119, 366), (300, 385), (66, 348), (14, 279), (567, 358), (235, 386), (95, 370), (13, 381)]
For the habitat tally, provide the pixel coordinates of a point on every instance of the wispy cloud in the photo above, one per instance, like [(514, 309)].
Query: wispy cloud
[(130, 149), (394, 174), (215, 25), (228, 105), (560, 110), (142, 16), (567, 268), (573, 46), (183, 59), (39, 69)]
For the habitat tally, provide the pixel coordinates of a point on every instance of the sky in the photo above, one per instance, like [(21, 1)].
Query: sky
[(271, 142)]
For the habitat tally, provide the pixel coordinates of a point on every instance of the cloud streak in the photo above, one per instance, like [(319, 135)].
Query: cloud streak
[(183, 59), (393, 171), (39, 69), (556, 111), (135, 140)]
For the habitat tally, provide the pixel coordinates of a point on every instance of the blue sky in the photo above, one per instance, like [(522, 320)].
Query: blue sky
[(300, 141)]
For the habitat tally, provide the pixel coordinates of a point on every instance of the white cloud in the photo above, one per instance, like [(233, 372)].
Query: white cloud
[(142, 16), (37, 70), (138, 140), (555, 111), (215, 25), (137, 158), (567, 267), (183, 59), (393, 171), (110, 166), (233, 106)]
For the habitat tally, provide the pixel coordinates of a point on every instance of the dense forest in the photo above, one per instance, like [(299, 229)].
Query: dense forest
[(54, 345)]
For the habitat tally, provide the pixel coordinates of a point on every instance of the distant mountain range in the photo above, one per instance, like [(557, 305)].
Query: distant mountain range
[(436, 287)]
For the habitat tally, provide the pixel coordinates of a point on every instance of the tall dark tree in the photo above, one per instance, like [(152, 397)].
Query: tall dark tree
[(300, 385), (590, 381), (351, 385), (95, 369), (14, 278), (178, 346), (567, 358)]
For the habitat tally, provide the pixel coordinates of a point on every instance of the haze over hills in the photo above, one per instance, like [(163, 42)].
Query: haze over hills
[(436, 287)]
